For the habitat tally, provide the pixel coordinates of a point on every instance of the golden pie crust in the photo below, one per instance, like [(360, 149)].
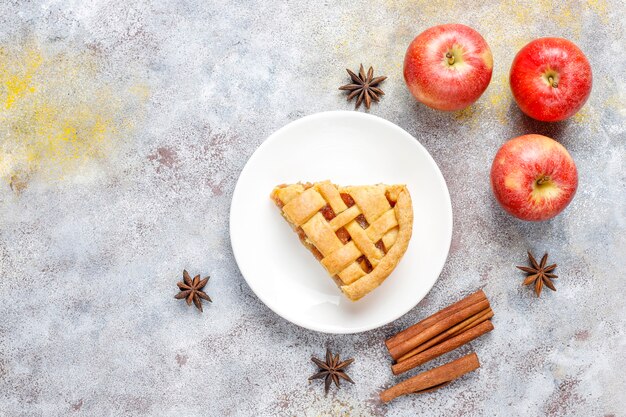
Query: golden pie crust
[(358, 233)]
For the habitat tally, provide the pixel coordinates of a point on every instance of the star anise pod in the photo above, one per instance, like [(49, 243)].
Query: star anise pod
[(364, 87), (539, 273), (191, 290), (331, 370)]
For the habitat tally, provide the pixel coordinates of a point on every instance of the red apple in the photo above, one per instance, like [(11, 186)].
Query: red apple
[(550, 79), (448, 67), (533, 177)]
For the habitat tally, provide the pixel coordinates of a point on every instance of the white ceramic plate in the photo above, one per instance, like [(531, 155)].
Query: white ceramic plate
[(348, 148)]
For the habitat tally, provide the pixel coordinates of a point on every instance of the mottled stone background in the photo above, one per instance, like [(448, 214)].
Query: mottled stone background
[(123, 128)]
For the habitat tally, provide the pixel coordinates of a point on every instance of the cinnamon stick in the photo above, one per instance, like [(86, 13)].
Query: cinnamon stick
[(432, 379), (439, 327), (473, 321), (429, 321), (444, 347)]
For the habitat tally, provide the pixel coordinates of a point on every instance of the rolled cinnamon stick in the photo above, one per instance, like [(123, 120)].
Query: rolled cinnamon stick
[(444, 347), (473, 321), (429, 321), (439, 327), (432, 379)]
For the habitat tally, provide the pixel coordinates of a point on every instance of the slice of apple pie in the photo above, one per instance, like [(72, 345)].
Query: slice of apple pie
[(358, 233)]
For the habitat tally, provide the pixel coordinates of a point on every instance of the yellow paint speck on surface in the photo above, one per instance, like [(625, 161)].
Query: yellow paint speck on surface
[(581, 116), (19, 82), (55, 113), (617, 102), (500, 97)]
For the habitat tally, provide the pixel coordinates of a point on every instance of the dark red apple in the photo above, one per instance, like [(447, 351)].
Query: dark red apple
[(550, 79), (533, 177), (448, 67)]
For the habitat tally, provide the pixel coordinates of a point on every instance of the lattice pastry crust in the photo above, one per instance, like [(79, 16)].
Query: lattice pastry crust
[(358, 233)]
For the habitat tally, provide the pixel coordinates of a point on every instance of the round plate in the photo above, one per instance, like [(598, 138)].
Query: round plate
[(348, 148)]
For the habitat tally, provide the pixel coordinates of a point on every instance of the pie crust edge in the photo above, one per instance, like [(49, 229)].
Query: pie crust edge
[(367, 283)]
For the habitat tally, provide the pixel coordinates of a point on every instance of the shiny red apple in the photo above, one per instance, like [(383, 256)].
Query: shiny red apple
[(533, 177), (448, 67), (550, 79)]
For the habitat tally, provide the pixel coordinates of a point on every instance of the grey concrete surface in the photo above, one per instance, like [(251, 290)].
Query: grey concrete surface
[(123, 127)]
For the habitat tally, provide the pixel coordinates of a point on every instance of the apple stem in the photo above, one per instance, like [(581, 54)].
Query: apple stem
[(450, 58), (552, 82), (543, 180)]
